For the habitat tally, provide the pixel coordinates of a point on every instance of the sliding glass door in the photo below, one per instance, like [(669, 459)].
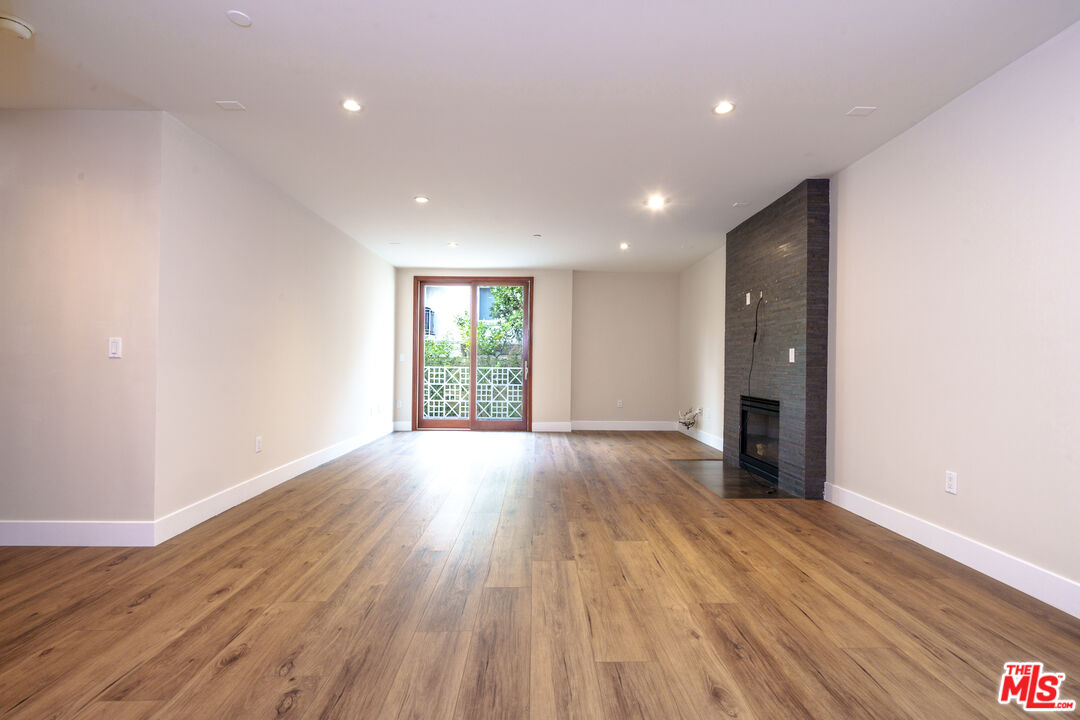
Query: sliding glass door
[(472, 350)]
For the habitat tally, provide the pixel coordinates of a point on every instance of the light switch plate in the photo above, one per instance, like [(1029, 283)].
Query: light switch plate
[(116, 348), (791, 355), (747, 298)]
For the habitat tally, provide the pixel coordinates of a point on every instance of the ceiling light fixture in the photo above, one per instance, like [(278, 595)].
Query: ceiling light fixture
[(739, 203), (723, 107), (451, 244), (656, 202), (352, 105), (861, 110), (16, 26), (238, 18), (422, 199), (230, 105), (624, 246), (537, 235)]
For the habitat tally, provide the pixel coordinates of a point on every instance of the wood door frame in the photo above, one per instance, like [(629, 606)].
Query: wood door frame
[(419, 281)]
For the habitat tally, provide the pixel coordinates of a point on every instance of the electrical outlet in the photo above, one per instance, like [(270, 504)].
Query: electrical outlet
[(951, 485), (258, 443), (618, 403)]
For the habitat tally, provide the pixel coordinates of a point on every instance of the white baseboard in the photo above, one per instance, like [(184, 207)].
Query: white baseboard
[(84, 533), (188, 517), (551, 426), (564, 426), (1051, 588), (403, 426), (624, 425), (146, 532), (713, 441)]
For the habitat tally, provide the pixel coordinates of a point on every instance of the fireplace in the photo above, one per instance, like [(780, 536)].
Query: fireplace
[(759, 437)]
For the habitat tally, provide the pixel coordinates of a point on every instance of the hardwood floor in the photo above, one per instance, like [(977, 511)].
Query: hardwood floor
[(455, 575)]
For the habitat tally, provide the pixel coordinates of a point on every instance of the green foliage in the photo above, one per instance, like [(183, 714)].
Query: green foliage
[(508, 306), (498, 340), (440, 352)]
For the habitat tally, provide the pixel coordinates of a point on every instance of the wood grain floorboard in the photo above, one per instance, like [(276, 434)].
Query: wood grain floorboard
[(563, 683), (563, 576), (495, 680), (638, 690), (426, 684), (454, 602)]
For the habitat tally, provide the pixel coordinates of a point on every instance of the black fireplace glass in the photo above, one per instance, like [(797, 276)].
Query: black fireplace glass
[(763, 436), (759, 437)]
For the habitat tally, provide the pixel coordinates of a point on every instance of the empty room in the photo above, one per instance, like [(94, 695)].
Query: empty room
[(553, 360)]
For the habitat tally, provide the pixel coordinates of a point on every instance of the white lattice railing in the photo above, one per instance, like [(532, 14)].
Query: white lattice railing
[(498, 393)]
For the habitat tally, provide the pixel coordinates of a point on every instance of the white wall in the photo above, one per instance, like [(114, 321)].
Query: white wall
[(957, 313), (625, 347), (78, 264), (241, 314), (552, 320), (272, 323), (701, 343)]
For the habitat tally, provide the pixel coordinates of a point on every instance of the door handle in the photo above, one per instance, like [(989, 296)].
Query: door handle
[(526, 371)]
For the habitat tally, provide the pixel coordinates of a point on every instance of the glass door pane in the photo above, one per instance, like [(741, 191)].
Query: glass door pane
[(500, 360), (447, 319)]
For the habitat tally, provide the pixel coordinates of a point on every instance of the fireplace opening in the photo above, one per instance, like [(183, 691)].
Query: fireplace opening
[(759, 437)]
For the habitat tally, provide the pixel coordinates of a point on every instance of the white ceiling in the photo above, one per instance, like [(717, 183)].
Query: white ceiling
[(518, 117)]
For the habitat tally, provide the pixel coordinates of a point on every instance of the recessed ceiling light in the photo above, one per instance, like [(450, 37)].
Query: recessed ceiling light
[(723, 107), (861, 110), (739, 204), (656, 202), (230, 105), (422, 199), (624, 246), (352, 105), (16, 26), (395, 242), (537, 235), (451, 244), (239, 19)]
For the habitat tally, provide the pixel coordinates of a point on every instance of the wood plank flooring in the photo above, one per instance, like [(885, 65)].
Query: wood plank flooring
[(506, 575)]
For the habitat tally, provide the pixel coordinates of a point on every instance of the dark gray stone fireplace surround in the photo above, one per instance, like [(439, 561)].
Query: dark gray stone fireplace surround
[(781, 256)]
